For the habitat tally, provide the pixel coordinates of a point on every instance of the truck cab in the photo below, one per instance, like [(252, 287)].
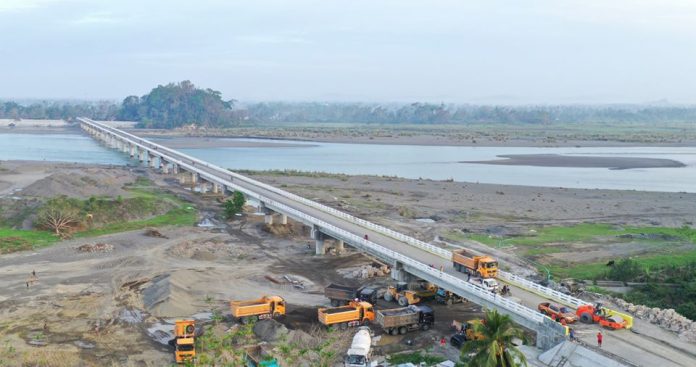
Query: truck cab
[(185, 347), (488, 267)]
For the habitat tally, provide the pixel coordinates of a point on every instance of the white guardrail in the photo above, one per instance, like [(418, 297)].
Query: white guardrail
[(541, 290), (337, 213), (453, 282)]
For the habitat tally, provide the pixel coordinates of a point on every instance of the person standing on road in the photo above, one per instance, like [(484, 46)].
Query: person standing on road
[(443, 342), (571, 334), (599, 339), (468, 277)]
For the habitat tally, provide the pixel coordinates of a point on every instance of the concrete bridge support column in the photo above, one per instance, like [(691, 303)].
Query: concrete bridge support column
[(319, 246), (217, 188), (340, 246), (399, 274), (141, 155), (175, 168), (164, 166), (132, 150), (151, 160), (283, 219)]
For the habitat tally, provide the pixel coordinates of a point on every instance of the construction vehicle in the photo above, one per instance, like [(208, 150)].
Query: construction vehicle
[(360, 350), (400, 320), (488, 284), (353, 314), (184, 344), (404, 296), (265, 307), (597, 314), (466, 333), (259, 356), (481, 266), (447, 298), (557, 313), (340, 294)]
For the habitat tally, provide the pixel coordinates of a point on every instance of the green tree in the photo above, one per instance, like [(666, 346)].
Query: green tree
[(495, 348), (234, 206)]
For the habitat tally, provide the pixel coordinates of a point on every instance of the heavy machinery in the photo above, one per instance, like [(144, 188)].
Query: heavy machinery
[(341, 294), (404, 296), (400, 320), (360, 350), (447, 298), (557, 313), (184, 343), (466, 333), (481, 266), (599, 315), (353, 314), (265, 307)]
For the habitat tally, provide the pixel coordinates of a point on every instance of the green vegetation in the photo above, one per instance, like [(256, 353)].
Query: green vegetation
[(12, 240), (415, 358), (97, 216), (495, 348), (174, 105), (234, 206)]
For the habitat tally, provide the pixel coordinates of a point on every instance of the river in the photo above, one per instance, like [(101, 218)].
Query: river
[(427, 162)]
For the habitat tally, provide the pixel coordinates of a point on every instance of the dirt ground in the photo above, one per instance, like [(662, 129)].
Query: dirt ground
[(102, 305)]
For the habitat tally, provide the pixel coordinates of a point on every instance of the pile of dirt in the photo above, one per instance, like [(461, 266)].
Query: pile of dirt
[(82, 183), (364, 272), (97, 247), (206, 251), (151, 232), (281, 230), (168, 295), (270, 330)]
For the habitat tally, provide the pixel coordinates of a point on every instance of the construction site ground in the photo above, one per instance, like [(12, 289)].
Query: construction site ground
[(93, 300)]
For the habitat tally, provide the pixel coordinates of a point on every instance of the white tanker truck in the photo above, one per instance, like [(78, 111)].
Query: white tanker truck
[(360, 350)]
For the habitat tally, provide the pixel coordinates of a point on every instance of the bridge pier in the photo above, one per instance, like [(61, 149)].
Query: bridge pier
[(283, 219), (319, 245), (217, 188), (400, 274), (340, 246), (132, 150)]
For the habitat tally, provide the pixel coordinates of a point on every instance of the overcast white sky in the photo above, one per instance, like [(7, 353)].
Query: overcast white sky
[(466, 51)]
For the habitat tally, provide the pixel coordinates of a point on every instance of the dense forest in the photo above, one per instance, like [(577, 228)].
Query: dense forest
[(177, 104)]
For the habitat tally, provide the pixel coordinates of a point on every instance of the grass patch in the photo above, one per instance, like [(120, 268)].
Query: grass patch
[(12, 240), (595, 270), (415, 358), (184, 216)]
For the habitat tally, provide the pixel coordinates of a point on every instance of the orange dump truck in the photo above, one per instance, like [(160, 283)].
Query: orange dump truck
[(481, 266), (184, 331), (265, 307), (354, 314)]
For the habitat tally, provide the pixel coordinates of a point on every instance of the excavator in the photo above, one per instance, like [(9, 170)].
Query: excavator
[(404, 296), (597, 314)]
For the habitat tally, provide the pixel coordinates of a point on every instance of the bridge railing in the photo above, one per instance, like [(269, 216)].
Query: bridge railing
[(539, 289)]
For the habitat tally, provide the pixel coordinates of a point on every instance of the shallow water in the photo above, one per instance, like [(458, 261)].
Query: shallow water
[(427, 162)]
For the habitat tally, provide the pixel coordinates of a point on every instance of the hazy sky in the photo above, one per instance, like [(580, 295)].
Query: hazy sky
[(466, 51)]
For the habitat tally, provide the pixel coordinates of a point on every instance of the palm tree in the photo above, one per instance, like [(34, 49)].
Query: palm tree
[(492, 346)]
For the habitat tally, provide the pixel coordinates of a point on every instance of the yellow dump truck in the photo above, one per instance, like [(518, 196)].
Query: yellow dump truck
[(265, 307), (354, 314), (184, 331), (481, 266)]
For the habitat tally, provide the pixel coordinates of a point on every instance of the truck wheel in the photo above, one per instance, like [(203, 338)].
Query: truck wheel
[(334, 303), (402, 330), (586, 318), (403, 302), (388, 297), (343, 326), (425, 327), (366, 322), (244, 320), (276, 315), (393, 331)]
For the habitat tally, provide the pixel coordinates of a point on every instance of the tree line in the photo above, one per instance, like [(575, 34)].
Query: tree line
[(177, 104)]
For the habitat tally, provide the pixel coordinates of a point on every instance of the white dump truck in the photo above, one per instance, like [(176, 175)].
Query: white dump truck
[(360, 350)]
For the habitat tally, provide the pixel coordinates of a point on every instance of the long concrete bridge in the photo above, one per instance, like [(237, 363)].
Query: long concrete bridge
[(408, 256)]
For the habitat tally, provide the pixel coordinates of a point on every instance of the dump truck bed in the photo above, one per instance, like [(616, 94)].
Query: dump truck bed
[(341, 292), (338, 315), (250, 308), (397, 317)]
